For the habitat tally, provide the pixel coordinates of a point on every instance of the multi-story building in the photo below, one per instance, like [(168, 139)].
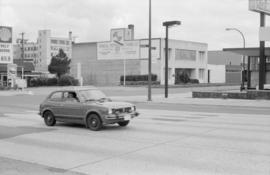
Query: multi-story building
[(30, 52), (49, 46), (41, 52)]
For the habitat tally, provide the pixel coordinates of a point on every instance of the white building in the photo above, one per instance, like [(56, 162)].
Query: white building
[(49, 46), (183, 56), (103, 63), (30, 52)]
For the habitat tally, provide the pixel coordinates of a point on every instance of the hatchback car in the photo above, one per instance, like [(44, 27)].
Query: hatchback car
[(88, 106)]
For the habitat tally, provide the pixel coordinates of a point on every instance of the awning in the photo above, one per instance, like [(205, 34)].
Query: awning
[(252, 52)]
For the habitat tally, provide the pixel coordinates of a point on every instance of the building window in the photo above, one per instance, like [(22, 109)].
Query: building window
[(201, 74), (62, 42), (187, 55), (201, 56), (53, 41)]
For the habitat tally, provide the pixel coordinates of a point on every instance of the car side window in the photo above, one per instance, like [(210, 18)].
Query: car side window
[(70, 96), (57, 96)]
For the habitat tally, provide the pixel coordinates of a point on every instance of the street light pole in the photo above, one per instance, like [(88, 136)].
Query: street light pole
[(150, 53), (244, 46), (166, 61), (168, 24)]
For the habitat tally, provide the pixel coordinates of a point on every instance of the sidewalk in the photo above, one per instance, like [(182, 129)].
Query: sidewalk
[(15, 92), (186, 98), (176, 98)]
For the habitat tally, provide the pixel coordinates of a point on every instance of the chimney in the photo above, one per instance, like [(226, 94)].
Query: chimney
[(131, 27), (70, 35)]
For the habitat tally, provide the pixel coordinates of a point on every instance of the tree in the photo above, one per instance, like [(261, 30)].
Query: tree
[(59, 64)]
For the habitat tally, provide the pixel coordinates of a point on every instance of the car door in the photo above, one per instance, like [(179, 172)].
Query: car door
[(55, 103), (72, 108)]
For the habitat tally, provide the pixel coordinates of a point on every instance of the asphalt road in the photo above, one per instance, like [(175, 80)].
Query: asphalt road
[(165, 139), (31, 102)]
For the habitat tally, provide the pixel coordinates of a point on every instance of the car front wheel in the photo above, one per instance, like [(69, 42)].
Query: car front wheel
[(124, 123), (93, 122), (49, 118)]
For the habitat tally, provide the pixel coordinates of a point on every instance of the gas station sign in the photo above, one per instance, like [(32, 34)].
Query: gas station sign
[(6, 51)]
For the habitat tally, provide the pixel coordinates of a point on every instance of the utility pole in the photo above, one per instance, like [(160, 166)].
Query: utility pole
[(150, 54), (22, 56)]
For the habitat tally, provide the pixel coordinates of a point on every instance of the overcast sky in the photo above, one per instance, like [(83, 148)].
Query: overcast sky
[(91, 20)]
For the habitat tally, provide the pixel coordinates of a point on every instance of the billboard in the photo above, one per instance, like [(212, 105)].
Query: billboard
[(260, 6), (115, 51), (155, 44), (120, 35), (6, 51)]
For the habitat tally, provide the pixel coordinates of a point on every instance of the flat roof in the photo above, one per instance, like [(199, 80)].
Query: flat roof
[(252, 51)]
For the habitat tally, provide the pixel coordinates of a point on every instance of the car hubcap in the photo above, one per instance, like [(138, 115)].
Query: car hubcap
[(94, 123), (48, 118)]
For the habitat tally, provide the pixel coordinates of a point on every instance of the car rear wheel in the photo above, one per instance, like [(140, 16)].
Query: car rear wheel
[(124, 123), (49, 118), (94, 123)]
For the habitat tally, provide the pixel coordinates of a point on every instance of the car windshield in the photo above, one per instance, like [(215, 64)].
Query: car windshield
[(92, 95)]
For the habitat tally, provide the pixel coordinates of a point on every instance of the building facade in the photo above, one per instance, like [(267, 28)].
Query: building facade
[(184, 56), (224, 67), (49, 46), (30, 52)]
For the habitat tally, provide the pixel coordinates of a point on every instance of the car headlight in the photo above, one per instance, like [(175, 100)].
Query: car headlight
[(110, 111)]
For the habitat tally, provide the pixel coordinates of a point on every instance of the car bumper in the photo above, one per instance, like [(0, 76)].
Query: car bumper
[(114, 118)]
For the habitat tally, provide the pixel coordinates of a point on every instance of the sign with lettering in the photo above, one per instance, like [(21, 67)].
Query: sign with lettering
[(114, 51), (6, 51)]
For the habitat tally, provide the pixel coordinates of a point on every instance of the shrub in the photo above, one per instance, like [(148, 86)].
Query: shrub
[(138, 77), (43, 81), (67, 80), (140, 83), (194, 81), (52, 82), (184, 78)]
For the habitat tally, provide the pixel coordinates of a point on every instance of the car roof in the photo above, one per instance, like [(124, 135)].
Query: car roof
[(76, 88)]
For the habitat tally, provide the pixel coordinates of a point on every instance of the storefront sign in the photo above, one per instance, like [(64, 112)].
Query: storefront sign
[(261, 6), (6, 51)]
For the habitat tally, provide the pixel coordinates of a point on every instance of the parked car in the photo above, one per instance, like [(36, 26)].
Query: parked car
[(88, 106)]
